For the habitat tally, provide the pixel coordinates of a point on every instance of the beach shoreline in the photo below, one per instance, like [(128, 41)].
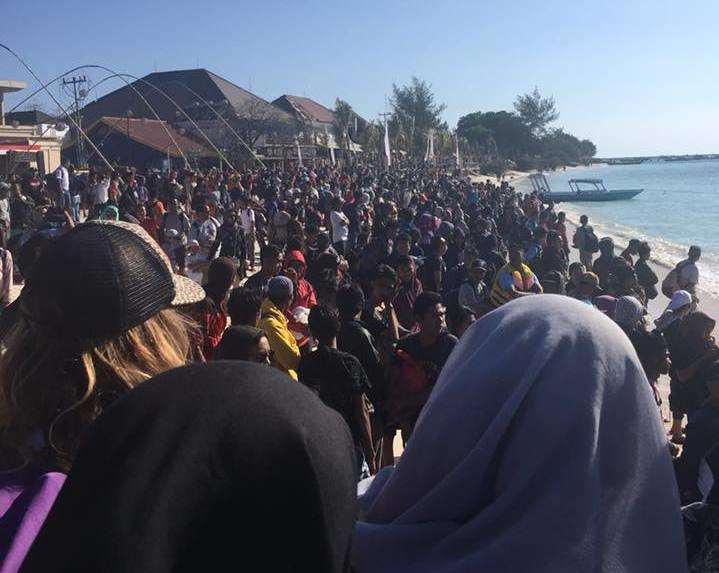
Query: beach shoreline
[(708, 301)]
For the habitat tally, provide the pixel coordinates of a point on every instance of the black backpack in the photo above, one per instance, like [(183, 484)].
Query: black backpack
[(591, 241)]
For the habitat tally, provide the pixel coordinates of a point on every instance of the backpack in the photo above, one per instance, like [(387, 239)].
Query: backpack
[(670, 284), (591, 241)]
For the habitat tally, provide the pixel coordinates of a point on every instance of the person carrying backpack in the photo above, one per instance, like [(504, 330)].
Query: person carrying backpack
[(173, 233), (685, 276), (586, 242)]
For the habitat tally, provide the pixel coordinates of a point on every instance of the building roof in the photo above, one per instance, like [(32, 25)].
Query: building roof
[(178, 85), (306, 108), (151, 133), (7, 86), (29, 117)]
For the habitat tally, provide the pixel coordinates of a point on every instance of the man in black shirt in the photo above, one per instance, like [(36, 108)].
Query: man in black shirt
[(355, 339), (270, 260), (340, 381), (419, 359)]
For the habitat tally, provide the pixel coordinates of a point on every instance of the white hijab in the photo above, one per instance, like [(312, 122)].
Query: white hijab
[(540, 449)]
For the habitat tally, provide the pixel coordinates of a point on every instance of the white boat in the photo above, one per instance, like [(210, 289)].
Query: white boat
[(580, 190)]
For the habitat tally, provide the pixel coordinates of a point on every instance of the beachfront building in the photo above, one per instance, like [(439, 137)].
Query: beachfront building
[(320, 133), (28, 139), (144, 143), (191, 101)]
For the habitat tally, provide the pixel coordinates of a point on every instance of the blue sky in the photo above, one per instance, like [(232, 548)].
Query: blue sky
[(638, 78)]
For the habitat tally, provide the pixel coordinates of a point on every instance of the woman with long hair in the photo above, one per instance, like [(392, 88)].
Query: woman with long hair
[(96, 318)]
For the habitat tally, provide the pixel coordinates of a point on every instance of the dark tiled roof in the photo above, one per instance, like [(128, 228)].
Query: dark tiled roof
[(306, 108), (210, 87), (150, 132), (29, 117)]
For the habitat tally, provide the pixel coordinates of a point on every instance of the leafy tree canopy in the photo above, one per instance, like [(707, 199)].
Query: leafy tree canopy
[(415, 111), (536, 112)]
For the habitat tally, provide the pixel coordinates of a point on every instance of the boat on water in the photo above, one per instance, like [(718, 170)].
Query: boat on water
[(580, 190)]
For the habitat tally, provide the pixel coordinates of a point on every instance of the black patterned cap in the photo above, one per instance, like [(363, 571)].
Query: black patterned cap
[(105, 277)]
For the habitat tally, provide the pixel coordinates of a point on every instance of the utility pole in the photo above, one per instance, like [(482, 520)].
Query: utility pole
[(79, 93)]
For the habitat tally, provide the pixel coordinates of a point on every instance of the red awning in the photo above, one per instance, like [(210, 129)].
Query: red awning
[(5, 147)]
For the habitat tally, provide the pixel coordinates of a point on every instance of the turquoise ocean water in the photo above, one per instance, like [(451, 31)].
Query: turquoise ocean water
[(679, 207)]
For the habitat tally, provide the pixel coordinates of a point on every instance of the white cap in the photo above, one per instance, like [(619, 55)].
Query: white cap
[(680, 298)]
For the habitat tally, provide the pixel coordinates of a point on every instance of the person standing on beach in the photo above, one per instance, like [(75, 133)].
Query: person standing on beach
[(603, 265), (514, 280), (631, 251), (561, 227), (586, 241), (645, 275), (340, 226), (685, 276), (688, 274), (286, 353), (340, 382)]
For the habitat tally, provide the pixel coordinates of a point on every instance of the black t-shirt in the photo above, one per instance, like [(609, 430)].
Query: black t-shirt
[(338, 378), (355, 339), (374, 321), (431, 265), (434, 356), (257, 282)]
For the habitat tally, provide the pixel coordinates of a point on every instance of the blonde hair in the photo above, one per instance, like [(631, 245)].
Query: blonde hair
[(49, 396)]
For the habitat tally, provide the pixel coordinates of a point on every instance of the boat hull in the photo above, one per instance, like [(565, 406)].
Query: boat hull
[(591, 196)]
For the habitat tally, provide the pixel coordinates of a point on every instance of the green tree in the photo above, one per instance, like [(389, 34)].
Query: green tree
[(503, 130), (370, 137), (587, 149), (415, 112), (536, 112), (562, 148), (344, 116)]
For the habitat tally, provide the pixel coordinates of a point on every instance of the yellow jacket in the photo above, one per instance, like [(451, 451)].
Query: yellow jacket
[(286, 353)]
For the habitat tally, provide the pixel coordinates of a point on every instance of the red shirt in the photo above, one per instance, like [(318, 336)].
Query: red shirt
[(150, 225)]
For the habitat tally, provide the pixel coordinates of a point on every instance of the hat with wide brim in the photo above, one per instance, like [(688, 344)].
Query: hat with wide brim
[(187, 291), (104, 278)]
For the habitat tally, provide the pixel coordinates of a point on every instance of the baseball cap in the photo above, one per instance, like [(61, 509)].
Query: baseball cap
[(103, 278), (680, 298), (479, 264)]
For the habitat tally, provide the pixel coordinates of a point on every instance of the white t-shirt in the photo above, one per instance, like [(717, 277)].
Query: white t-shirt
[(340, 231), (63, 177), (100, 192), (247, 220), (208, 233)]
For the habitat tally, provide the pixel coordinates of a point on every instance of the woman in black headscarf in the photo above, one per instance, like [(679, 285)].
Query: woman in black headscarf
[(218, 466)]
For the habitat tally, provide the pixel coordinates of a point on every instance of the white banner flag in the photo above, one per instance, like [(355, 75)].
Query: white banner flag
[(332, 155), (456, 153), (299, 153), (429, 153), (387, 152)]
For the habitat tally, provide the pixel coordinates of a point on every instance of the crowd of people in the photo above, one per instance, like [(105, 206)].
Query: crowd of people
[(539, 427)]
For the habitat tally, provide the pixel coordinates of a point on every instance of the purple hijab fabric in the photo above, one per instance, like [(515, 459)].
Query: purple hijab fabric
[(540, 449), (26, 497)]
